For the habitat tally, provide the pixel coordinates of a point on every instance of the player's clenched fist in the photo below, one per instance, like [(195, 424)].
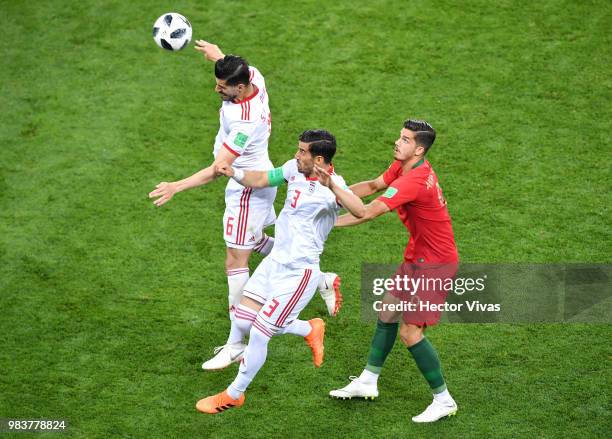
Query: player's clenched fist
[(226, 170), (210, 51), (165, 191)]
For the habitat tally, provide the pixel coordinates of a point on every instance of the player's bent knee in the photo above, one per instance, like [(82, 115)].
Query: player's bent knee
[(236, 258), (388, 316), (250, 303), (410, 334)]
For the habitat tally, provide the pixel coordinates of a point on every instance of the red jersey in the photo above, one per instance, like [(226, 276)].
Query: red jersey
[(418, 198)]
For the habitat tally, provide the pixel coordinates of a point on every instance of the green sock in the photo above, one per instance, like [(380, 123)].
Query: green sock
[(382, 343), (428, 362)]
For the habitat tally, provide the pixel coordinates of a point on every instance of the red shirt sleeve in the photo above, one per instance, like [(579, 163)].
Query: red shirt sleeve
[(403, 190), (392, 173)]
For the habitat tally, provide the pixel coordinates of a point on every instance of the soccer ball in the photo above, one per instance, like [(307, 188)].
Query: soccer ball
[(172, 31)]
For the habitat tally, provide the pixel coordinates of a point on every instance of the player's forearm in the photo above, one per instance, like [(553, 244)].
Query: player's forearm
[(349, 220), (364, 188), (217, 56), (254, 179), (349, 201), (200, 178), (372, 210)]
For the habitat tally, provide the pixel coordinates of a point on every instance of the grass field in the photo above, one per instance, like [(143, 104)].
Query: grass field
[(108, 305)]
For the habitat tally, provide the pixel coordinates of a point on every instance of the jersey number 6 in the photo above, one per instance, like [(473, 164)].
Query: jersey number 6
[(229, 227)]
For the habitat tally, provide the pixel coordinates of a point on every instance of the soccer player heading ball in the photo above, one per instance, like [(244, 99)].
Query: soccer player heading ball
[(412, 189), (245, 124), (285, 281)]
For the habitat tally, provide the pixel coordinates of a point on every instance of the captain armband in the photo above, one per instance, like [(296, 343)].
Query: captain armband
[(275, 177)]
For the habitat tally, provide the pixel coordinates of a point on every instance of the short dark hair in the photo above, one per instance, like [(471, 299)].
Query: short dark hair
[(321, 143), (233, 70), (424, 133)]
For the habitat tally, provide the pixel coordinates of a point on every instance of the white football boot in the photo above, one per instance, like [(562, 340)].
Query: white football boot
[(329, 288), (224, 356), (356, 389), (436, 410)]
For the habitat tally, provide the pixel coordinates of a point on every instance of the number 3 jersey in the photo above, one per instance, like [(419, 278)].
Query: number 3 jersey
[(245, 126), (308, 216)]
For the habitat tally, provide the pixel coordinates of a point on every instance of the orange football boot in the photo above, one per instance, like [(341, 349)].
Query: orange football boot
[(339, 298), (218, 403), (315, 340)]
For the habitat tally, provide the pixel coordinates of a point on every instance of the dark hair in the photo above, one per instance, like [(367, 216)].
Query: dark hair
[(424, 133), (233, 70), (321, 143)]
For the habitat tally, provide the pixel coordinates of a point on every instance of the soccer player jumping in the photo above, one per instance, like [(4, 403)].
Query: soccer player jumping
[(242, 141), (412, 189), (285, 281)]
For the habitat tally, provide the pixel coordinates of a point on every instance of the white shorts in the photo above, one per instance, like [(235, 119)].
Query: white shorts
[(284, 292), (247, 212)]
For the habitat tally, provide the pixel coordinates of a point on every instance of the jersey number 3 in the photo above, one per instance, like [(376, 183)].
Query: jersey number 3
[(294, 202), (272, 307)]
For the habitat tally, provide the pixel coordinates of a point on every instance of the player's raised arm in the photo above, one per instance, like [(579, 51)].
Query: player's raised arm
[(211, 51), (372, 210), (365, 188), (164, 191), (346, 198)]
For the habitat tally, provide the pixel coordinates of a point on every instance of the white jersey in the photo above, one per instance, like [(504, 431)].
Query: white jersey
[(245, 126), (308, 216)]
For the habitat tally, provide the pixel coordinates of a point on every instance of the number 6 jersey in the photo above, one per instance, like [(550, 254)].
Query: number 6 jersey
[(245, 126)]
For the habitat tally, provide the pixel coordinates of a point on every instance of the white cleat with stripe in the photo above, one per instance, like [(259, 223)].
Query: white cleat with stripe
[(356, 389), (329, 289), (436, 410), (224, 356)]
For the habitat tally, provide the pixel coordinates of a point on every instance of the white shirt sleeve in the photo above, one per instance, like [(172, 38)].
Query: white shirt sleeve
[(256, 77), (239, 137), (289, 169), (340, 182)]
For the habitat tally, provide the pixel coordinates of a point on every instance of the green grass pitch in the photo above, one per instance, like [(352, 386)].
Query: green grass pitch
[(108, 305)]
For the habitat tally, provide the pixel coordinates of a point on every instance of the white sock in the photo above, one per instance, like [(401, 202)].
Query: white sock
[(253, 359), (297, 327), (264, 245), (236, 280), (233, 393), (444, 397), (368, 377), (241, 324)]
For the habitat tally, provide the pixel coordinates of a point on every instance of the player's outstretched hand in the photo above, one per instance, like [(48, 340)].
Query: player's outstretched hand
[(323, 176), (165, 191), (211, 51), (226, 170)]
